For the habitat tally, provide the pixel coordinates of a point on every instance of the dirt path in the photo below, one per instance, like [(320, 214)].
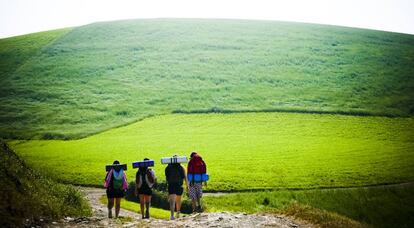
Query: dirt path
[(99, 214), (213, 219), (131, 219)]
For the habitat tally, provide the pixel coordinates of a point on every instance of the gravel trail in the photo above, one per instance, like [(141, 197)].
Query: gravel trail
[(132, 219)]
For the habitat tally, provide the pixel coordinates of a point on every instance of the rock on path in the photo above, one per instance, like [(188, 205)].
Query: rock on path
[(227, 219)]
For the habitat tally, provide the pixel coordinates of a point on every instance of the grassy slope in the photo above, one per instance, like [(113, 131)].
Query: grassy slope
[(245, 151), (108, 74), (389, 206), (15, 53), (27, 195)]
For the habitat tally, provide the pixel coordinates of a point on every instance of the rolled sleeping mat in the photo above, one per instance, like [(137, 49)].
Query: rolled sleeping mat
[(122, 166), (170, 160), (140, 164), (198, 177)]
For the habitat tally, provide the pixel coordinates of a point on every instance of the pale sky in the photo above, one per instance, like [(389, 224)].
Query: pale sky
[(27, 16)]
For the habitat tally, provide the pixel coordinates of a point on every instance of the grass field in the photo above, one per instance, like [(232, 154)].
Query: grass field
[(75, 82), (244, 151), (387, 206)]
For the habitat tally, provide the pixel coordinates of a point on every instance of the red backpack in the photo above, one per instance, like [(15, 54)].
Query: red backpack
[(196, 165)]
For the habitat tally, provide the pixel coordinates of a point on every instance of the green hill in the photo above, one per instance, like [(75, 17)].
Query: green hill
[(75, 82)]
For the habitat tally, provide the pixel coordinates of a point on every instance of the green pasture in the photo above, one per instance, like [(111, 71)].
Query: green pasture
[(385, 206), (243, 151), (71, 83)]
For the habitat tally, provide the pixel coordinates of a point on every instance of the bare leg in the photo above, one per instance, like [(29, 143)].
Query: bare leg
[(110, 206), (142, 203), (147, 205), (199, 204), (193, 205), (172, 199), (117, 206), (178, 204)]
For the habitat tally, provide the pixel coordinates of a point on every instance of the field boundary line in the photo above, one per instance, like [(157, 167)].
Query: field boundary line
[(276, 110), (224, 192)]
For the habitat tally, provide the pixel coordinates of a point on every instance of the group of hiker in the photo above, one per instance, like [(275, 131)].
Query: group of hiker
[(116, 183)]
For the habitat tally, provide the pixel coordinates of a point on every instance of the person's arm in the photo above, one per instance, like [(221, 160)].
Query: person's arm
[(137, 180), (125, 184), (106, 176), (154, 177), (166, 173), (107, 181), (185, 178), (189, 169), (205, 182), (150, 175)]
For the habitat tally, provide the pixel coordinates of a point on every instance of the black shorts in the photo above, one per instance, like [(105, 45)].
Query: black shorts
[(175, 188), (145, 191), (114, 193)]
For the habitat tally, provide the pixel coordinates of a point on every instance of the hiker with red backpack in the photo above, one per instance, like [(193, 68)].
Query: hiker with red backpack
[(196, 173), (116, 184), (176, 176), (144, 181)]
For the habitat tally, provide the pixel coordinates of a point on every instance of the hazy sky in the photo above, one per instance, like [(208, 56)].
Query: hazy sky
[(27, 16)]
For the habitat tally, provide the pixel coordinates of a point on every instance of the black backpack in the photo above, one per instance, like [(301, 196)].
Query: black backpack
[(175, 173)]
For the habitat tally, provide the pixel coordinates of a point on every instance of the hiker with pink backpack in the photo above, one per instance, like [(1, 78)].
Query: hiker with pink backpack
[(116, 185), (196, 174)]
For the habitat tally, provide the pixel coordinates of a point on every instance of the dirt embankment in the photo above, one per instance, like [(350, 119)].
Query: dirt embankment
[(131, 219)]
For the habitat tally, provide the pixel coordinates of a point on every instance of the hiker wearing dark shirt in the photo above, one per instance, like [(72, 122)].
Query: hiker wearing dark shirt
[(175, 175), (144, 181)]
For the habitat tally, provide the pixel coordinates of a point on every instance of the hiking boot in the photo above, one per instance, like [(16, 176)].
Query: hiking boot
[(110, 214), (172, 218), (199, 209), (147, 214), (178, 214)]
